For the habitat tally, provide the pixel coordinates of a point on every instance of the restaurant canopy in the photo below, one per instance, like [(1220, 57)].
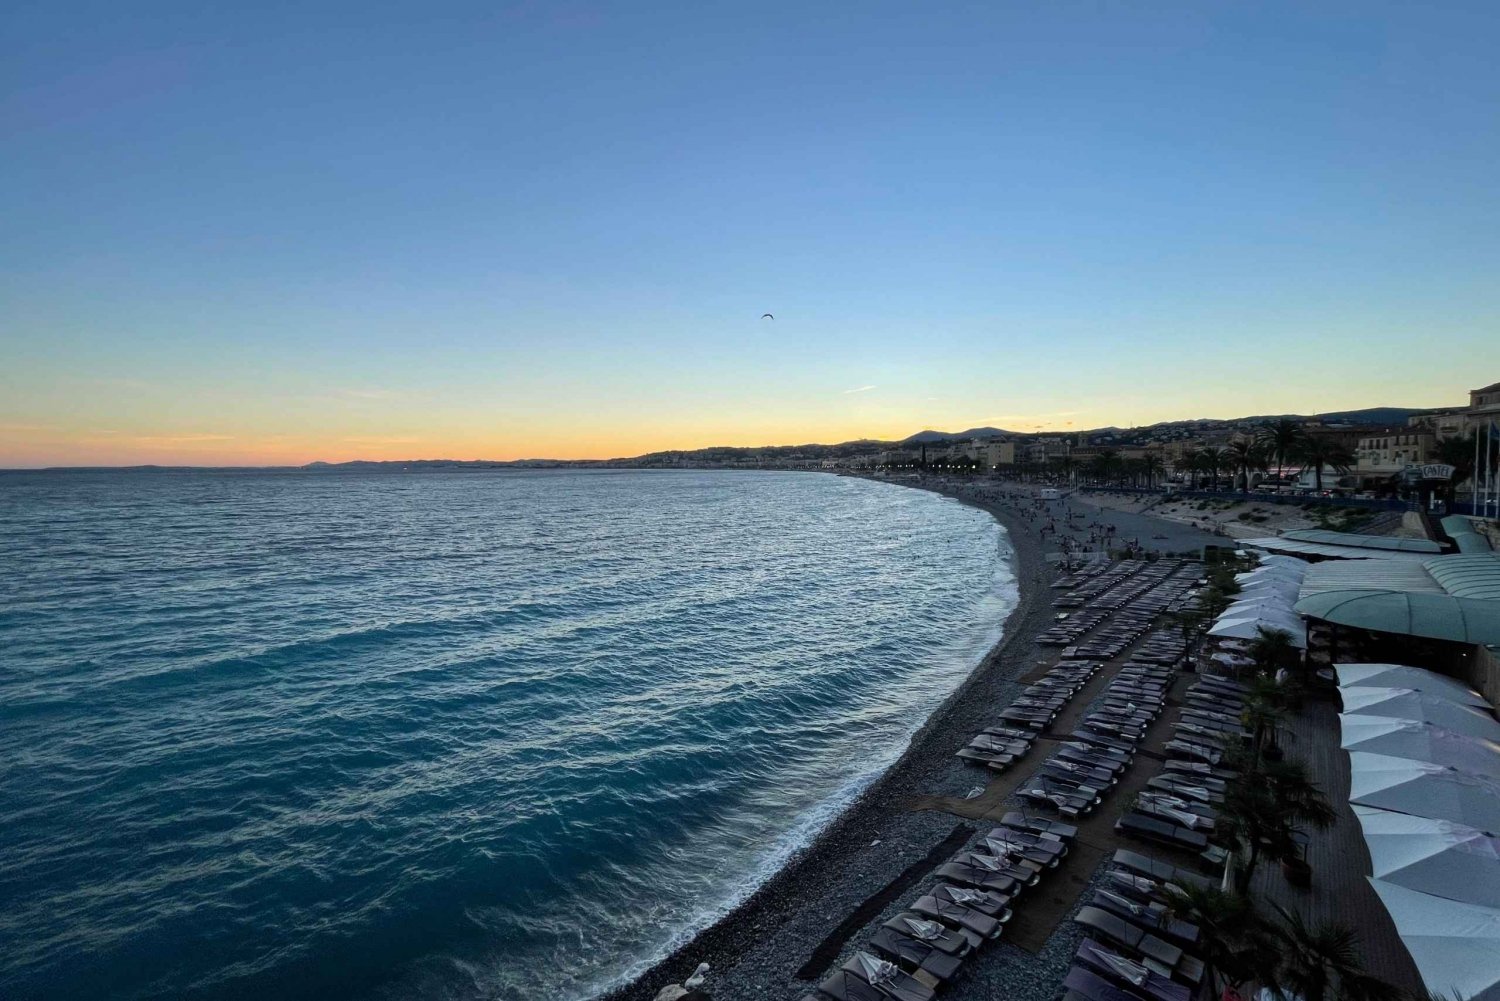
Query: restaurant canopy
[(1401, 676), (1405, 738), (1323, 536), (1455, 945), (1434, 856), (1406, 703), (1434, 616), (1249, 628), (1424, 790), (1283, 544)]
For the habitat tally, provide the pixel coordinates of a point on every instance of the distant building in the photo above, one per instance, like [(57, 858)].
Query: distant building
[(1385, 455)]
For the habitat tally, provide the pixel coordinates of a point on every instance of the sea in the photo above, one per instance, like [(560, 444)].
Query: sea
[(445, 734)]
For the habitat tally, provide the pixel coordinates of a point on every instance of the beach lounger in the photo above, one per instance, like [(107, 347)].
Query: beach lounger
[(1188, 812), (976, 924), (913, 954), (1034, 718), (1153, 916), (1011, 733), (1122, 971), (1112, 741), (867, 977), (1193, 750), (1083, 984), (1122, 757), (1203, 769), (1018, 821), (1066, 803), (979, 877), (986, 902), (1098, 778), (998, 744), (1156, 869), (1112, 928), (933, 932), (1185, 787), (995, 760), (1048, 851), (1014, 865), (1154, 828)]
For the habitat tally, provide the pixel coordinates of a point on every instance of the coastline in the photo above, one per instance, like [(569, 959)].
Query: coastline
[(816, 873), (758, 948)]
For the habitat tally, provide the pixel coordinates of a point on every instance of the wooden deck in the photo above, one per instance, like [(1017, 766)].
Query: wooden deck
[(1340, 862)]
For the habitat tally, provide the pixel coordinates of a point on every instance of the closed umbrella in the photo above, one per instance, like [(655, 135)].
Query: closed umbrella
[(1406, 703), (1434, 856), (1415, 678), (1455, 945), (1424, 790), (1407, 738)]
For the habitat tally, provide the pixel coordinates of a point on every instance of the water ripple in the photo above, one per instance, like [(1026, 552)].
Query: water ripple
[(443, 735)]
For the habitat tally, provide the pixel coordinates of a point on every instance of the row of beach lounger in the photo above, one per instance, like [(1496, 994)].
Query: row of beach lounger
[(924, 947), (998, 747), (1178, 807), (1136, 950), (1074, 780)]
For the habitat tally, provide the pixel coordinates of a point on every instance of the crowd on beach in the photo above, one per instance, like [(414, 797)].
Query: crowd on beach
[(1078, 534)]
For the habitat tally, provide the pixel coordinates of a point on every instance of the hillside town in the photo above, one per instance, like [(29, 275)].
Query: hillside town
[(1420, 453)]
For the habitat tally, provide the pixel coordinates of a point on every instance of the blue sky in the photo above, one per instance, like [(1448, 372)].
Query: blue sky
[(244, 233)]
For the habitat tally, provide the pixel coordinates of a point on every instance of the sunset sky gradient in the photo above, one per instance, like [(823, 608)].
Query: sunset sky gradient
[(273, 233)]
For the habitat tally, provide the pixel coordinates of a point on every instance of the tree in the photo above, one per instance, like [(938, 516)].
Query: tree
[(1280, 440), (1232, 941), (1262, 811), (1151, 466), (1214, 458), (1320, 963), (1318, 452), (1245, 455)]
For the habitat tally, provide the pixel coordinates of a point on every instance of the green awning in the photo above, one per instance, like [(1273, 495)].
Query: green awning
[(1467, 575), (1434, 616), (1327, 538), (1461, 531)]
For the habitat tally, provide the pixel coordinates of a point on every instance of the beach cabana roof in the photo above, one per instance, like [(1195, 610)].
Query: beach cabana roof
[(1461, 531), (1405, 738), (1369, 575), (1475, 575), (1406, 703), (1248, 628), (1455, 945), (1434, 856), (1282, 544), (1401, 676), (1424, 790), (1388, 542), (1413, 613)]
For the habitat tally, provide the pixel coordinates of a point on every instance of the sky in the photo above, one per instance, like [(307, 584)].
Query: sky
[(282, 232)]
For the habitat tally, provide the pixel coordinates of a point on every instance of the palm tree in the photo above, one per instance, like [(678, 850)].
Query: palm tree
[(1319, 452), (1214, 458), (1151, 465), (1133, 470), (1321, 963), (1262, 811), (1244, 456), (1232, 942), (1280, 440), (1272, 650)]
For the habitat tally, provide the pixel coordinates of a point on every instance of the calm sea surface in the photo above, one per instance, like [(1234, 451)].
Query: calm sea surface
[(443, 735)]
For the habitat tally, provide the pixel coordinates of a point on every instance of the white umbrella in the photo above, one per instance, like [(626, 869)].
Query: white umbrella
[(1405, 703), (1407, 738), (1435, 856), (1271, 573), (1424, 790), (1249, 628), (1416, 678), (1283, 560), (1456, 946)]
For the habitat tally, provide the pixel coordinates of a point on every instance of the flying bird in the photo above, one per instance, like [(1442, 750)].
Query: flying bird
[(767, 316)]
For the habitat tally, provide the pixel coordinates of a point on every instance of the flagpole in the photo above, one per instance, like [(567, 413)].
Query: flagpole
[(1474, 478)]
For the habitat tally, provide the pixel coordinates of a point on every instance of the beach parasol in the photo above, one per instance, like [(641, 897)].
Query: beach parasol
[(1424, 790), (1407, 703), (1415, 678), (1434, 856), (1408, 738), (1456, 946)]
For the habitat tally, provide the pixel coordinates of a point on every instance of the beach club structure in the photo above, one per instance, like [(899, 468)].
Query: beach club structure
[(1104, 791)]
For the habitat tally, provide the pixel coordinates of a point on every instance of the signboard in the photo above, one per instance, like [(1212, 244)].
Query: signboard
[(1437, 471)]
